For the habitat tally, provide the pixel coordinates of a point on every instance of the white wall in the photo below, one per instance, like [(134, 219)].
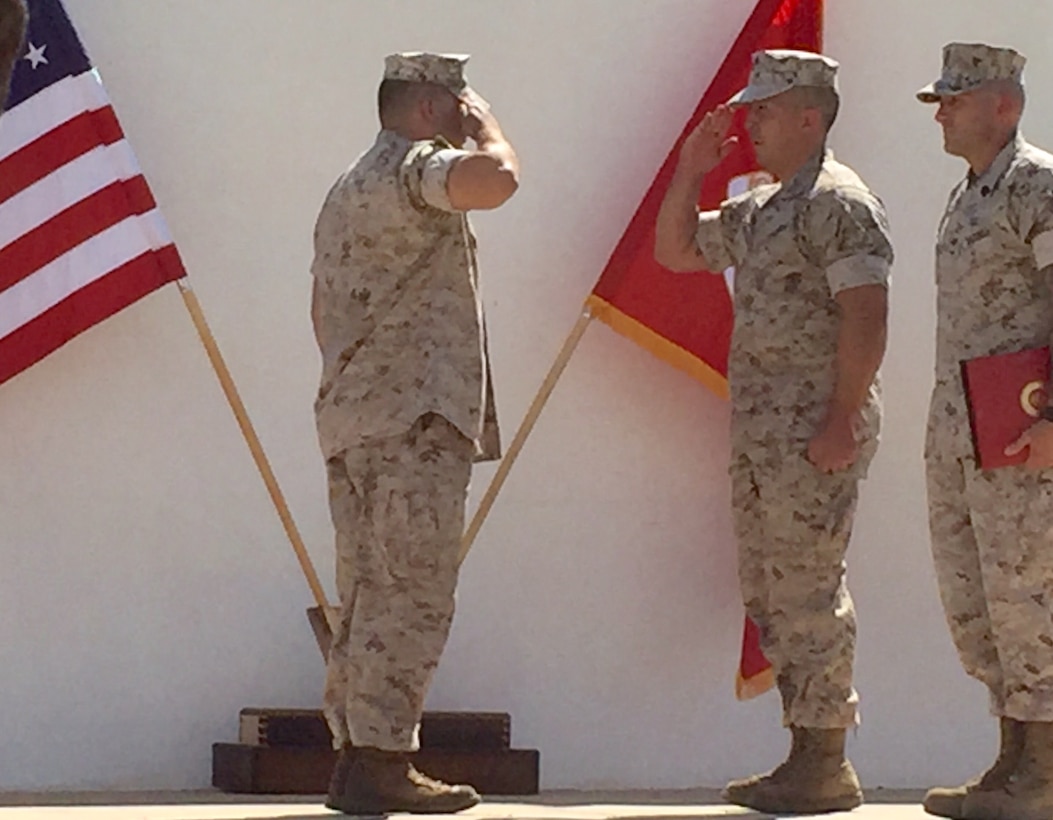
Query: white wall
[(147, 592)]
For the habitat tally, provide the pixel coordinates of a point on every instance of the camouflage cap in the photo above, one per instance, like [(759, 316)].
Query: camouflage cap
[(779, 70), (969, 65), (422, 67)]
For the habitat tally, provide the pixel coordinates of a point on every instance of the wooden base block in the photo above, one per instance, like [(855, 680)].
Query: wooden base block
[(322, 622), (476, 731), (245, 769)]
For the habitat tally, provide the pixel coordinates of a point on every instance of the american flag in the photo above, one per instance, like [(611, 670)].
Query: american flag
[(80, 234)]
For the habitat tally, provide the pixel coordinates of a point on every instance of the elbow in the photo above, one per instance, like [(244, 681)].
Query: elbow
[(481, 183), (674, 259), (506, 185), (502, 187)]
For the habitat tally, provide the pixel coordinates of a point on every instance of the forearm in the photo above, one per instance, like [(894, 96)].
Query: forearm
[(491, 141), (674, 243), (860, 349)]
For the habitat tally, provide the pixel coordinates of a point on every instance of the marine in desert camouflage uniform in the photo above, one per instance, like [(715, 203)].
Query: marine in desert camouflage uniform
[(812, 257), (991, 529), (404, 407)]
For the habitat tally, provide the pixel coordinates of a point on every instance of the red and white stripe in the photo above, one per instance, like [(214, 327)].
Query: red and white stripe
[(80, 234)]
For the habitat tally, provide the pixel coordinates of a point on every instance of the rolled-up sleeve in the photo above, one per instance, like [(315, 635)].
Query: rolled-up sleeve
[(711, 237), (425, 172), (856, 271), (1034, 194), (851, 239)]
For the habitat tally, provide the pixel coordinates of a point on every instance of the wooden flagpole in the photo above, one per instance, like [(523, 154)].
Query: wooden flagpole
[(534, 411), (252, 440)]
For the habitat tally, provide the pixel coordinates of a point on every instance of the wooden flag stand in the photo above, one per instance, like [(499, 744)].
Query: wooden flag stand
[(288, 751)]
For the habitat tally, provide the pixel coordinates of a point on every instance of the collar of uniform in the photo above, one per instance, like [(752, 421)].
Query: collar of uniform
[(389, 137), (394, 138), (804, 180), (988, 180)]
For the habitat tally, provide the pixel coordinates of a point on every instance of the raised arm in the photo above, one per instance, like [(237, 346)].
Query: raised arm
[(675, 247), (487, 177)]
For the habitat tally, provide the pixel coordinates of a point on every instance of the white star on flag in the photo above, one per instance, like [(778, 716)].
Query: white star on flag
[(81, 236), (36, 56)]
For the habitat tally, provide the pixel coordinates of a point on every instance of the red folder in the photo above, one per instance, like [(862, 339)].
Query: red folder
[(1006, 394)]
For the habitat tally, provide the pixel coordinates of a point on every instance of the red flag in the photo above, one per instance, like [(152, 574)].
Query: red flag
[(80, 234), (686, 320)]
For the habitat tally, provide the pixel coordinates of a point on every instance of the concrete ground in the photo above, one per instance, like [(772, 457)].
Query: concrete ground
[(209, 805)]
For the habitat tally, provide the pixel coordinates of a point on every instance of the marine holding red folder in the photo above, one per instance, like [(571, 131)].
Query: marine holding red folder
[(991, 495), (1006, 393)]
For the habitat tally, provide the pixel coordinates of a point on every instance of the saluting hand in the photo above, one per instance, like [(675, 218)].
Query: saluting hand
[(709, 143), (475, 111), (1038, 440)]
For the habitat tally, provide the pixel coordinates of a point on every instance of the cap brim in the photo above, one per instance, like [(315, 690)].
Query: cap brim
[(755, 93), (934, 92), (928, 94)]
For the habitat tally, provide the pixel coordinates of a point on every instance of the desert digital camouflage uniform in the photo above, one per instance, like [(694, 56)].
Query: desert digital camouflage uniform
[(401, 325), (991, 530), (794, 247), (405, 405), (398, 507)]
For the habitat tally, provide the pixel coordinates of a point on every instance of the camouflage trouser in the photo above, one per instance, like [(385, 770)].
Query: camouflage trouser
[(992, 543), (398, 510), (793, 523)]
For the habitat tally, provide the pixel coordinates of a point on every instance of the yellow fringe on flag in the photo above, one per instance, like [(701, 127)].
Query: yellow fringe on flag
[(661, 347), (747, 688)]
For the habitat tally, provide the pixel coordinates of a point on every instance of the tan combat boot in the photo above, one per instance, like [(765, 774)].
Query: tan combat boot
[(338, 780), (1029, 793), (380, 782), (815, 778), (945, 802)]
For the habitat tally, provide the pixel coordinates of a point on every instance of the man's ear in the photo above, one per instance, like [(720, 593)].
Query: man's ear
[(426, 108), (811, 118), (1008, 108)]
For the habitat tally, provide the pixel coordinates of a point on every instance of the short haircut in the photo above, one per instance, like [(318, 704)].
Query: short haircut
[(825, 99), (395, 97), (1009, 88)]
